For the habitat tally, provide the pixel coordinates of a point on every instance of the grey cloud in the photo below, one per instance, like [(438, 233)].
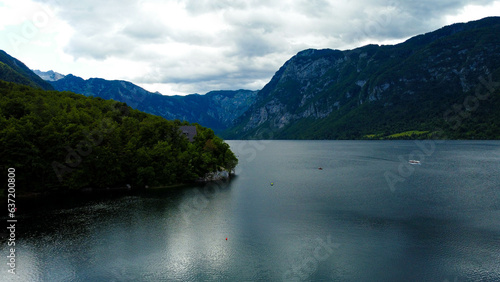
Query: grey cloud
[(263, 20), (254, 44), (245, 72), (91, 16), (99, 47), (427, 9), (257, 38), (197, 38), (105, 29), (316, 8), (216, 83), (208, 6), (149, 30), (408, 18), (170, 69)]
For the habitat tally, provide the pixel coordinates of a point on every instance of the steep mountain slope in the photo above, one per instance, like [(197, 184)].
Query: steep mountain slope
[(13, 70), (375, 91), (216, 110)]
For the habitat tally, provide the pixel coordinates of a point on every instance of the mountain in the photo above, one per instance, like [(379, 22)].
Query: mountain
[(13, 70), (216, 110), (445, 81), (49, 75)]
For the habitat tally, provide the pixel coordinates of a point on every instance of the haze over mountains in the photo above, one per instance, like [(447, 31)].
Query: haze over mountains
[(216, 109), (447, 80)]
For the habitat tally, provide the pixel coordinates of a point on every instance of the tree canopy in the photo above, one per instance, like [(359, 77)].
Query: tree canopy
[(66, 141)]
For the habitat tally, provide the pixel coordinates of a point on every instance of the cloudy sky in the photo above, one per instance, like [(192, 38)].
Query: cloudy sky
[(194, 46)]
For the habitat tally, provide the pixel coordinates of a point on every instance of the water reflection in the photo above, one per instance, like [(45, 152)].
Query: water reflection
[(434, 227)]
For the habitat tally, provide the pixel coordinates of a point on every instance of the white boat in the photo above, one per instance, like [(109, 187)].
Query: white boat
[(414, 162)]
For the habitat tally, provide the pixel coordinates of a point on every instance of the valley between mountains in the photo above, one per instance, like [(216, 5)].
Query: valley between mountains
[(443, 84)]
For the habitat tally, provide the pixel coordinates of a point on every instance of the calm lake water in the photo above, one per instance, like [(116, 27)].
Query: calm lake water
[(367, 215)]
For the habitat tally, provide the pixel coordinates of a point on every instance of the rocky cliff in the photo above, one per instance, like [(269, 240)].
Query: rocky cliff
[(382, 90), (49, 75)]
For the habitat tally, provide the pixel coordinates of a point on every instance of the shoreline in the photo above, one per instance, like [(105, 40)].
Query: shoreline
[(90, 190)]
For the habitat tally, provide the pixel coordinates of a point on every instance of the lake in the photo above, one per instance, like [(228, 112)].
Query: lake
[(366, 215)]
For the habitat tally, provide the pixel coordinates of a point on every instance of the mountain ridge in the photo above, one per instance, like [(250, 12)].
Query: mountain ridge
[(380, 90), (215, 109), (370, 92), (13, 70), (49, 75)]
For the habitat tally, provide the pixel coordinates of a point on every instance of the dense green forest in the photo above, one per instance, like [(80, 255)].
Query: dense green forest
[(65, 141)]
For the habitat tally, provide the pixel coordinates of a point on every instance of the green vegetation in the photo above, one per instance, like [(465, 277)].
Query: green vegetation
[(65, 141), (216, 109), (13, 70), (413, 134), (374, 136), (8, 74)]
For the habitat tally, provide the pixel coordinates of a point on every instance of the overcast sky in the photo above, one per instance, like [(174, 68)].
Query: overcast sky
[(194, 46)]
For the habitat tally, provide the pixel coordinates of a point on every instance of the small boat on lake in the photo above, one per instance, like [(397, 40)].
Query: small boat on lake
[(414, 162)]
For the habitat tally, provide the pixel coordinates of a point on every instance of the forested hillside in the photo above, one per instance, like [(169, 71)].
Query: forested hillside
[(65, 141), (13, 70)]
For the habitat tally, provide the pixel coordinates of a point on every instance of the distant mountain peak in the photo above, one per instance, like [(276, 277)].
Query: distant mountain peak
[(13, 70), (216, 109), (49, 75)]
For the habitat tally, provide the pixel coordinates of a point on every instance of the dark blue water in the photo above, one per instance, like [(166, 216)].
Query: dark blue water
[(367, 215)]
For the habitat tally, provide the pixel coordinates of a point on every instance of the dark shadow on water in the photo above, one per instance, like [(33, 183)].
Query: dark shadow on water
[(43, 203)]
